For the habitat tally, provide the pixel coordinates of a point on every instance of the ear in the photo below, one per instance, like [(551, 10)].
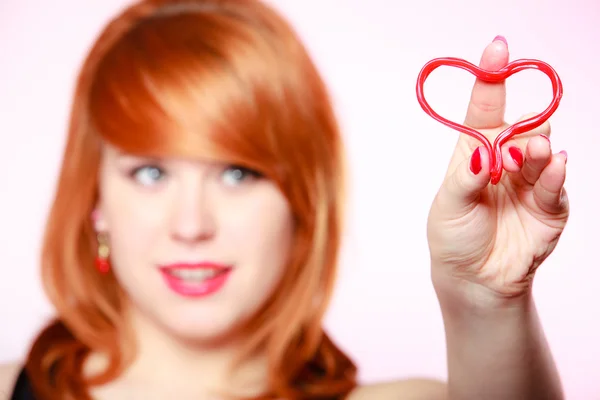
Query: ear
[(98, 220)]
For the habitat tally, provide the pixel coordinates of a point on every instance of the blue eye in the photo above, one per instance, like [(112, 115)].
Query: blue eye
[(148, 175), (234, 175)]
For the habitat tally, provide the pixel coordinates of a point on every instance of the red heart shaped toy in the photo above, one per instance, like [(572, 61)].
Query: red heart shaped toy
[(526, 125)]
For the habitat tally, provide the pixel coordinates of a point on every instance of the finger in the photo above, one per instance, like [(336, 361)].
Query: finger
[(549, 192), (538, 154), (487, 104), (512, 156), (461, 189)]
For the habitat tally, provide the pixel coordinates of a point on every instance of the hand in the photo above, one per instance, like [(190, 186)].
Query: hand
[(489, 240)]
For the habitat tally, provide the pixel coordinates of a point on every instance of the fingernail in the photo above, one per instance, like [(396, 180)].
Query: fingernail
[(475, 164), (545, 137), (501, 39), (517, 155), (564, 153)]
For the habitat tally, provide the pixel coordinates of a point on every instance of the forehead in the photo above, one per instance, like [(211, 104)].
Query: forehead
[(111, 151)]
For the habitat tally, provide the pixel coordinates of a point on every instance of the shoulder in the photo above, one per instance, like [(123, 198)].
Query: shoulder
[(8, 378), (410, 389)]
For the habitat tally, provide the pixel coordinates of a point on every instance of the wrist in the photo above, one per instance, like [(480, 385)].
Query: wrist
[(459, 297)]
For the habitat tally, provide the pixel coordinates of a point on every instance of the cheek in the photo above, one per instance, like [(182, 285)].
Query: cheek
[(133, 225), (261, 234)]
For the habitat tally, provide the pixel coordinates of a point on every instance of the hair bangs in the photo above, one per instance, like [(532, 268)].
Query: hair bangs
[(191, 85)]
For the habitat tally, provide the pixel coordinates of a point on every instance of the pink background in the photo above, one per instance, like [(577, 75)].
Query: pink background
[(384, 312)]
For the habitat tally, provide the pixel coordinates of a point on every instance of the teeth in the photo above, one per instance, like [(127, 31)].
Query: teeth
[(194, 274)]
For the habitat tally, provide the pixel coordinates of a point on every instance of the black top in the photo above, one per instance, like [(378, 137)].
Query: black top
[(22, 389)]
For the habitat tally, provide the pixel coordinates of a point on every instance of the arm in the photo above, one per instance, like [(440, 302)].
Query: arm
[(487, 243), (497, 352)]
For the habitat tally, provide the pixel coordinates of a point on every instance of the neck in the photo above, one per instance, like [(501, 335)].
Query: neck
[(190, 368)]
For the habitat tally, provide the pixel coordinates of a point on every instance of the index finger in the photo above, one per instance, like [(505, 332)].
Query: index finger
[(488, 100)]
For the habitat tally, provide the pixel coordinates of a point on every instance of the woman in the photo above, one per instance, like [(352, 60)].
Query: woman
[(192, 244)]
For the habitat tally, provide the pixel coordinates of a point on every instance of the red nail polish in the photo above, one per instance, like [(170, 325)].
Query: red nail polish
[(501, 39), (517, 155), (475, 164)]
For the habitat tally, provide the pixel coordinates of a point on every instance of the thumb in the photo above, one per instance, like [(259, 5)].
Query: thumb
[(461, 190)]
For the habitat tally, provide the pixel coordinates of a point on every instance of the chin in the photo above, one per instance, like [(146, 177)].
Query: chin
[(199, 325)]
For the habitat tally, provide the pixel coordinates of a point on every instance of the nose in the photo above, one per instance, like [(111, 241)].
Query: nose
[(193, 218)]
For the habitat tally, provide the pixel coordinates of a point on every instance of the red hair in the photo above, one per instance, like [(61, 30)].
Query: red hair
[(214, 78)]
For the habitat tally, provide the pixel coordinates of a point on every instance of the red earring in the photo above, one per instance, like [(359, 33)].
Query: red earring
[(102, 263)]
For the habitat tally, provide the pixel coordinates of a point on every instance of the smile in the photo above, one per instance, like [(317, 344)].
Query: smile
[(195, 280)]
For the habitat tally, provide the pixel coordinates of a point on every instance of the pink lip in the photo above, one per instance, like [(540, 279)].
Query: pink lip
[(196, 289)]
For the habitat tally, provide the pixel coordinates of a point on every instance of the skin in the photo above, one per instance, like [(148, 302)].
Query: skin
[(496, 347)]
